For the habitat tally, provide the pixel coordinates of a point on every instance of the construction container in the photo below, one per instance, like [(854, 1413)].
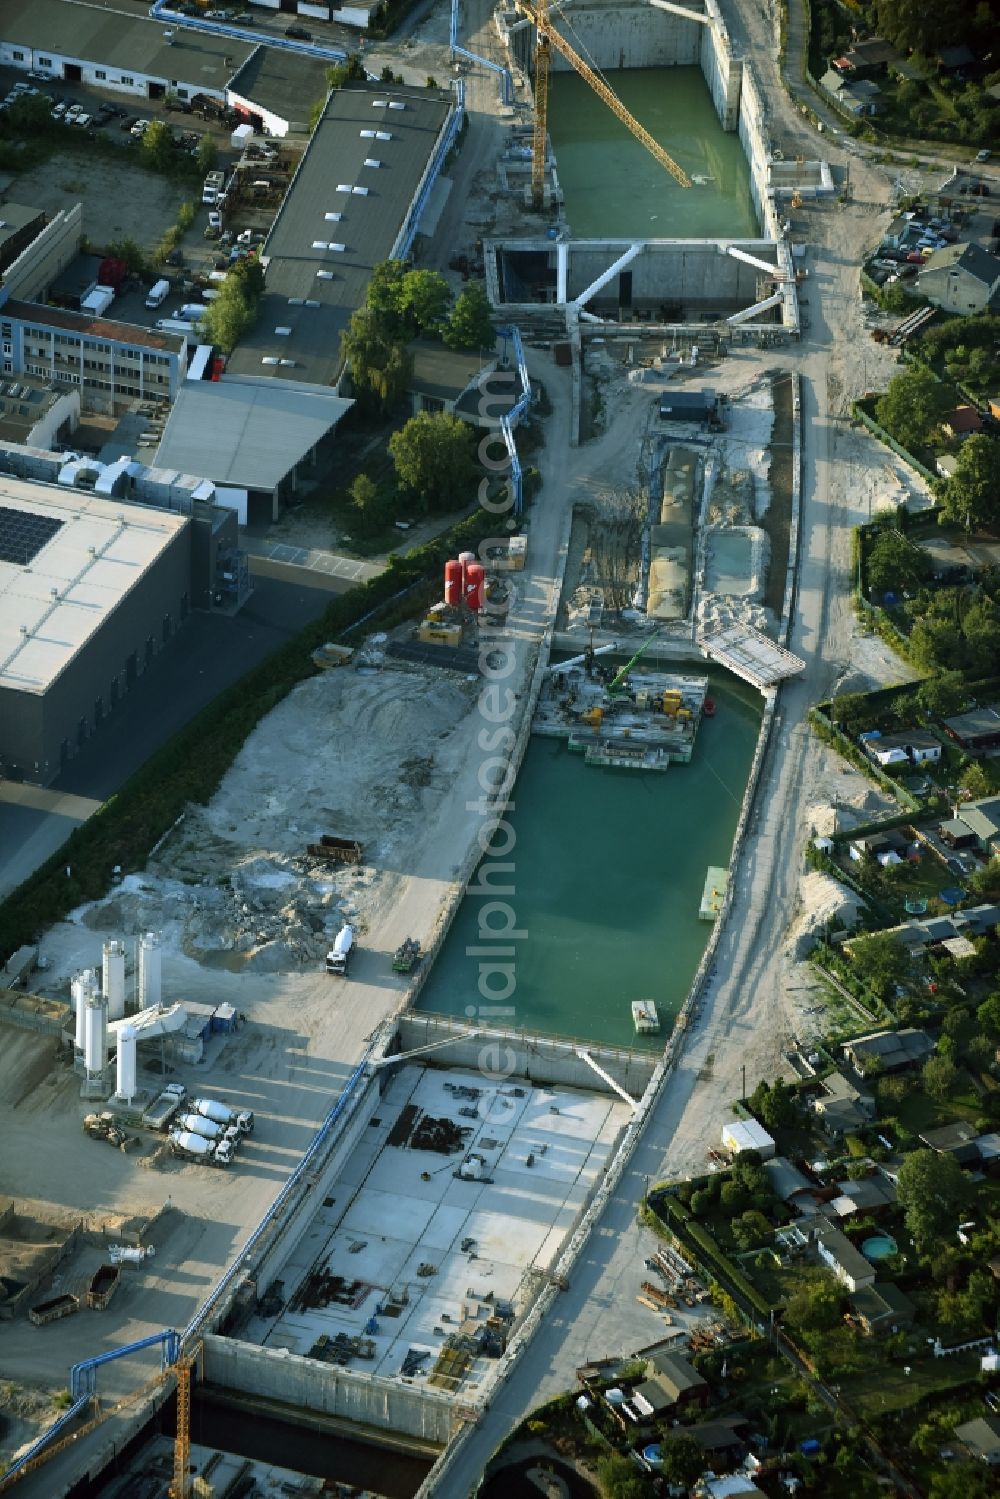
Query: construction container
[(224, 1019), (103, 1286), (54, 1308), (517, 551), (435, 632)]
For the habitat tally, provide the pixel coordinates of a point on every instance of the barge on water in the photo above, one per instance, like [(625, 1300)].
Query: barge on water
[(714, 893), (638, 720)]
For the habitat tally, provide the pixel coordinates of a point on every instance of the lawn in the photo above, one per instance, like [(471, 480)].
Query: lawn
[(918, 1111), (878, 1391)]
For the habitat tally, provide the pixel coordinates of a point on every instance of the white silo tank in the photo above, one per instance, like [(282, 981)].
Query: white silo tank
[(95, 1047), (114, 978), (84, 985), (126, 1063), (149, 970)]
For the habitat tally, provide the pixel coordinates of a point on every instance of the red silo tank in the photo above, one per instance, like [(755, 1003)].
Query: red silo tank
[(465, 558), (453, 583), (475, 583)]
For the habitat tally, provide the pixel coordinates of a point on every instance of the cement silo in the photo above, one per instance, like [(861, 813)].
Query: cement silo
[(149, 970), (83, 986), (95, 1041), (126, 1088), (113, 978)]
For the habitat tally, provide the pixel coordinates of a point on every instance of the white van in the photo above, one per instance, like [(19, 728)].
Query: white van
[(192, 311), (211, 294), (158, 294)]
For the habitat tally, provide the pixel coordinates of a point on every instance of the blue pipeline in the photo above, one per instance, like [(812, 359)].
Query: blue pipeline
[(405, 244), (506, 81), (510, 421)]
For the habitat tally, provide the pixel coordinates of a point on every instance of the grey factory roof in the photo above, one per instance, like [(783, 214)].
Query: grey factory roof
[(286, 84), (245, 431), (300, 269), (96, 552), (124, 42)]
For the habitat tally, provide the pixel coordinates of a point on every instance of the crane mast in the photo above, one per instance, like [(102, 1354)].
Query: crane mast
[(546, 37)]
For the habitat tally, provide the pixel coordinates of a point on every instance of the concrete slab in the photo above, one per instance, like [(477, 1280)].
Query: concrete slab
[(409, 1210)]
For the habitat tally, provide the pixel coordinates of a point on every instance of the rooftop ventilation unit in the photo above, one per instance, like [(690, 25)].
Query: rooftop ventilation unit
[(339, 248), (367, 135), (380, 103), (311, 302), (295, 301), (270, 359), (333, 218), (360, 192), (324, 276), (396, 104), (288, 364), (371, 161), (319, 244), (283, 332), (343, 187), (383, 135)]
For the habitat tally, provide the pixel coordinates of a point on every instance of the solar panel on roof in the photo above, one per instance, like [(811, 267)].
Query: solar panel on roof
[(23, 534)]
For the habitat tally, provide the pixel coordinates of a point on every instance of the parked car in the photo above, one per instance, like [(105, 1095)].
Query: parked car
[(980, 155), (915, 257), (298, 33), (59, 111), (128, 122), (140, 127), (83, 120)]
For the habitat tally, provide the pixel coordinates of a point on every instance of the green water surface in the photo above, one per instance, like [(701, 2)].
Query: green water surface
[(609, 871), (614, 187)]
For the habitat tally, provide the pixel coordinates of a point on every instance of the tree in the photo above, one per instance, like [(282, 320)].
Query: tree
[(988, 1014), (892, 1090), (931, 1190), (971, 497), (370, 507), (157, 145), (431, 81), (434, 456), (985, 882), (351, 69), (207, 154), (425, 296), (733, 1197), (963, 1481), (620, 1479), (380, 364), (128, 250), (939, 1076), (975, 781), (751, 1229), (814, 1306), (943, 695), (682, 1459), (894, 564), (234, 312), (701, 1202), (384, 296), (776, 1106), (913, 407), (469, 325), (879, 961)]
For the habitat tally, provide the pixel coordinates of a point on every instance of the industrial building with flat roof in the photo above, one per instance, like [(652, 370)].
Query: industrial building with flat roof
[(90, 589), (249, 437), (109, 49), (350, 206), (279, 89)]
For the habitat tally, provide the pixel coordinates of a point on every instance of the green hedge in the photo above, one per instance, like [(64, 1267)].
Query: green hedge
[(191, 765), (731, 1277)]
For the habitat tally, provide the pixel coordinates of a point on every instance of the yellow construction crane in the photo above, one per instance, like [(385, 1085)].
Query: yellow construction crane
[(181, 1486), (546, 37)]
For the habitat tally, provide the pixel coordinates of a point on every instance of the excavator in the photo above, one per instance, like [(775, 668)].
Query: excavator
[(547, 38), (618, 690)]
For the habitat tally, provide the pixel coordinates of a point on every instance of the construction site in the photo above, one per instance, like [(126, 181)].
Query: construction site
[(408, 1189)]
